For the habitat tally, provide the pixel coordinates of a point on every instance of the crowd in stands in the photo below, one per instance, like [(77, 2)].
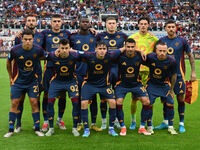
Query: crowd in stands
[(186, 13)]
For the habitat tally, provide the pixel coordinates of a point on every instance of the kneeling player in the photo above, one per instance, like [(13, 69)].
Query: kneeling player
[(161, 83), (64, 80), (99, 65), (26, 56), (129, 65)]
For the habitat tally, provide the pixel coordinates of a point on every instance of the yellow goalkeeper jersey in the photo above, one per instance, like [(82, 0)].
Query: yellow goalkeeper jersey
[(145, 43)]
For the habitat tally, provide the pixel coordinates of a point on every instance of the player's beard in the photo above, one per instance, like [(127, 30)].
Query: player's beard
[(31, 28)]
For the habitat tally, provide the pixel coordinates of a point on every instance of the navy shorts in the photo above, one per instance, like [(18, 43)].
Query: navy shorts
[(161, 91), (179, 87), (57, 87), (18, 89), (113, 76), (88, 91), (48, 74), (137, 91)]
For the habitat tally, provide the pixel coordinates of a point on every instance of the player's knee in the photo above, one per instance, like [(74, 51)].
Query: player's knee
[(34, 105), (15, 104), (146, 101), (84, 104), (180, 98), (119, 101), (112, 103)]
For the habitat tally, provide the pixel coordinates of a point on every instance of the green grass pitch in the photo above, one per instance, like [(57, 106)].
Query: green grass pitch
[(161, 140)]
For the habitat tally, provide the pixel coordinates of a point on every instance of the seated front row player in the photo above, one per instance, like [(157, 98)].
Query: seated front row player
[(129, 64), (64, 80), (162, 78)]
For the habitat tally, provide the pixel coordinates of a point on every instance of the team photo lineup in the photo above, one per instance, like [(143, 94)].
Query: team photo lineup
[(81, 64)]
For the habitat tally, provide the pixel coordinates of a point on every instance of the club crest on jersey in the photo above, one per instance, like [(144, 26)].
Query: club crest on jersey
[(70, 62), (165, 67), (137, 63), (34, 55), (106, 61), (177, 44), (38, 40), (118, 36), (106, 37), (91, 40), (78, 42), (61, 34), (21, 57)]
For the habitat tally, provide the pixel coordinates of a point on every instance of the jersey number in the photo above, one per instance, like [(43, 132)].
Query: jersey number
[(74, 88)]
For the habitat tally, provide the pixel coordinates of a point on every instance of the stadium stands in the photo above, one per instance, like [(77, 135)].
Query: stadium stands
[(187, 14)]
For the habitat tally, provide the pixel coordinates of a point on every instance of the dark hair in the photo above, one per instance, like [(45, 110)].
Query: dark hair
[(64, 41), (56, 16), (130, 40), (83, 17), (27, 32), (144, 18), (101, 43), (111, 18), (170, 22), (159, 43)]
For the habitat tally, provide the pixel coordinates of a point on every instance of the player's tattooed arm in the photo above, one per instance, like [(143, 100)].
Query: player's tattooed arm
[(173, 81), (9, 69), (192, 64)]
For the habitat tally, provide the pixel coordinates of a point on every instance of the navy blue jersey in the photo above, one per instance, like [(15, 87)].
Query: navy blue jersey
[(37, 39), (27, 62), (160, 70), (176, 48), (83, 43), (51, 40), (64, 67), (129, 70), (99, 69), (114, 41)]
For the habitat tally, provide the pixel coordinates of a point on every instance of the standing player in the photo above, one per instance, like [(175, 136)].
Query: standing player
[(64, 80), (84, 40), (114, 41), (162, 78), (31, 23), (27, 57), (177, 46), (129, 65), (96, 81), (51, 39), (145, 42)]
